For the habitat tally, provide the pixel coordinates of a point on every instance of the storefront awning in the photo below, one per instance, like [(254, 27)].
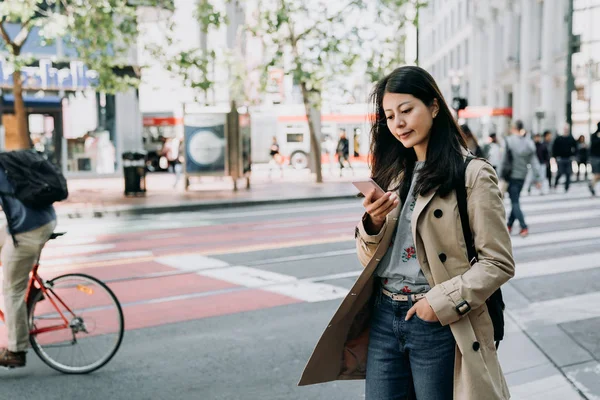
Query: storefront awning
[(49, 103), (478, 112)]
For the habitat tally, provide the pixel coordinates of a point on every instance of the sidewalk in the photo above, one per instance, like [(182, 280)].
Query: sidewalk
[(98, 197)]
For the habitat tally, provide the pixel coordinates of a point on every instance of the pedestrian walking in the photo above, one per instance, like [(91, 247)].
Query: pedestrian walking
[(172, 152), (595, 159), (343, 152), (415, 323), (543, 156), (582, 158), (328, 148), (548, 145), (472, 143), (493, 152), (563, 150), (276, 160), (520, 153)]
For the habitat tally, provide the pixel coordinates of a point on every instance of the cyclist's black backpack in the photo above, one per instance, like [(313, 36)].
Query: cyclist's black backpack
[(36, 181), (495, 303)]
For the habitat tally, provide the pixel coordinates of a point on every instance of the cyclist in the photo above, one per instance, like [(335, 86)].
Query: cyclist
[(21, 243)]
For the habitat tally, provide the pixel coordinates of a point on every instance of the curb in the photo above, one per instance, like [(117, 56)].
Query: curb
[(119, 211)]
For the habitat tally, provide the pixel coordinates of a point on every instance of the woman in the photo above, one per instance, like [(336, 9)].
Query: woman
[(416, 319), (582, 158), (471, 141)]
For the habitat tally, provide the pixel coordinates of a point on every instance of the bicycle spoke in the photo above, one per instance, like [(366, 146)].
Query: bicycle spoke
[(95, 325)]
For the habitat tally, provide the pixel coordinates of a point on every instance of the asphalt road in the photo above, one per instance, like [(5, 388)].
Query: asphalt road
[(228, 304)]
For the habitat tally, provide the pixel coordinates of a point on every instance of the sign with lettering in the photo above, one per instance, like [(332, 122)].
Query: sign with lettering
[(76, 77)]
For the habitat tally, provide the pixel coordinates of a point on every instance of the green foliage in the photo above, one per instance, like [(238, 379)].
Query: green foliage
[(102, 32), (192, 66), (320, 43), (208, 16)]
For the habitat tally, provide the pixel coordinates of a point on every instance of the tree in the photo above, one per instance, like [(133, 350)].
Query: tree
[(101, 32), (321, 42), (193, 65)]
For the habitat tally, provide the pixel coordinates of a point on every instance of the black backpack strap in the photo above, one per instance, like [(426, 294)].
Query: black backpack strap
[(495, 302), (461, 197)]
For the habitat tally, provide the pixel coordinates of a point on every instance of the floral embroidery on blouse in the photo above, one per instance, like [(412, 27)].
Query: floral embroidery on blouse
[(409, 253)]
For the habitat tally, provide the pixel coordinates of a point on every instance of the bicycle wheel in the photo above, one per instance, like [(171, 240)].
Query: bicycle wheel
[(94, 324)]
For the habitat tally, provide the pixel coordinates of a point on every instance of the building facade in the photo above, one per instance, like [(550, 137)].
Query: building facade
[(81, 130), (510, 56)]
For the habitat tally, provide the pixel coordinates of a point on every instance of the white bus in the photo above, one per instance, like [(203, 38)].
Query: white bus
[(289, 125)]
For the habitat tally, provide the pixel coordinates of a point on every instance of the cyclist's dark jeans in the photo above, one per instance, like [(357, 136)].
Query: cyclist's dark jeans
[(408, 357), (514, 191)]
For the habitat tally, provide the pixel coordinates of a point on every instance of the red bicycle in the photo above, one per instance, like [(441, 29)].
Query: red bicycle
[(76, 322)]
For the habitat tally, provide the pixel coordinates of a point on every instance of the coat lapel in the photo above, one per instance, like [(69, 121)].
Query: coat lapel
[(420, 205)]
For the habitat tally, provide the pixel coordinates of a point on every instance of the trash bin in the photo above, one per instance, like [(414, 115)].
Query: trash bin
[(134, 173)]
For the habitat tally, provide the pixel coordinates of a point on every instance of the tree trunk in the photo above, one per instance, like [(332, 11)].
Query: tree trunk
[(21, 139), (315, 142)]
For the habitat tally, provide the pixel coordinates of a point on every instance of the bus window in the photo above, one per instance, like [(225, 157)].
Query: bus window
[(295, 137)]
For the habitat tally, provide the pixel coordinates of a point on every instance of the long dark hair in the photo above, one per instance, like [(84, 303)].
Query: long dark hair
[(391, 161)]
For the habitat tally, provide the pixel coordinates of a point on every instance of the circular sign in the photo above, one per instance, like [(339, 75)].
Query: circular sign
[(205, 147)]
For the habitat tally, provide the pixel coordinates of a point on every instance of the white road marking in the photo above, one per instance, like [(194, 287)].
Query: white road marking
[(565, 204), (562, 217), (559, 310), (555, 387), (164, 236), (94, 258), (286, 285), (552, 266), (186, 262), (80, 249), (558, 236)]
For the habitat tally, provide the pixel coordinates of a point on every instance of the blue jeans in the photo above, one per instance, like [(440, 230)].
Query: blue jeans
[(407, 358), (514, 192)]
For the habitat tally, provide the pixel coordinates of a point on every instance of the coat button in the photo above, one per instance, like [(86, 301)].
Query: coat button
[(442, 257), (476, 346), (438, 213)]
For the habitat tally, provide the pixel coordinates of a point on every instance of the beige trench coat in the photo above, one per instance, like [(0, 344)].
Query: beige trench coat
[(342, 350)]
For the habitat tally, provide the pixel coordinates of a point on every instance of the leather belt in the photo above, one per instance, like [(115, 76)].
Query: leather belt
[(403, 297)]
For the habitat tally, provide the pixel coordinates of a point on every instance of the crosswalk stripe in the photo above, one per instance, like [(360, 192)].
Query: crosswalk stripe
[(563, 217), (559, 205), (557, 236), (559, 310), (557, 265)]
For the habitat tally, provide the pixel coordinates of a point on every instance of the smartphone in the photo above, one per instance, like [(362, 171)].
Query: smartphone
[(366, 186)]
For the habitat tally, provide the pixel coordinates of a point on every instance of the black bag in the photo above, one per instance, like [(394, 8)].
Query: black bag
[(37, 182), (507, 164), (495, 303)]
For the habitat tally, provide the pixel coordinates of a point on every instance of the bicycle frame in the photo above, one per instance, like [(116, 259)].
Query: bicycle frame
[(34, 277)]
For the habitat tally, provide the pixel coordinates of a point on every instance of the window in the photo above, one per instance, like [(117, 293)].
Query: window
[(460, 13), (445, 68), (295, 137), (539, 12), (459, 56), (445, 27), (468, 6), (466, 51)]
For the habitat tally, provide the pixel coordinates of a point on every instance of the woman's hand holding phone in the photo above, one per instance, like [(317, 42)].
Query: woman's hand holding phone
[(378, 210)]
